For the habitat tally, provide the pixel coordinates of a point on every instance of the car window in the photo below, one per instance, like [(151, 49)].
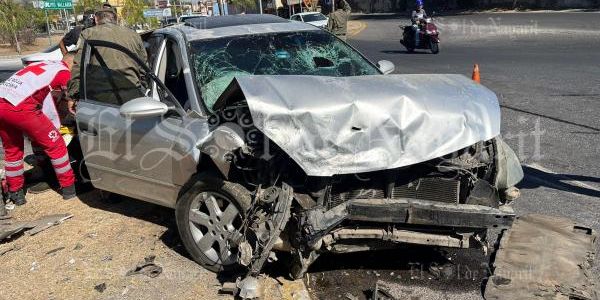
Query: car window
[(174, 78), (152, 45), (104, 82), (216, 62), (296, 18), (314, 17)]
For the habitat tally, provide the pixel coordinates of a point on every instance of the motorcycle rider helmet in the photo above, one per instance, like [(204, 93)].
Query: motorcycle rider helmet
[(419, 3)]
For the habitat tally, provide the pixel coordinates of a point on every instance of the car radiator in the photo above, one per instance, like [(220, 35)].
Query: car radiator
[(428, 188)]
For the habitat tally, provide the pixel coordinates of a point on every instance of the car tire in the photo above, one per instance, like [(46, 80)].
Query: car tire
[(435, 47), (198, 213)]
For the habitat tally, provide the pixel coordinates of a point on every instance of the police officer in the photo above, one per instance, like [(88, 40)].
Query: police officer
[(22, 112), (104, 59), (338, 19)]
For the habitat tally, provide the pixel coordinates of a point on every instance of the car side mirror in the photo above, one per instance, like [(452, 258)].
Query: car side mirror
[(386, 66), (143, 107)]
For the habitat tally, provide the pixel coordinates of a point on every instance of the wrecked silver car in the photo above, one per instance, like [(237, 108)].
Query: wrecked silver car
[(268, 135)]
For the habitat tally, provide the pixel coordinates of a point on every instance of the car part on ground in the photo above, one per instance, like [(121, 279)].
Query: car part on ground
[(146, 267), (10, 229), (544, 257)]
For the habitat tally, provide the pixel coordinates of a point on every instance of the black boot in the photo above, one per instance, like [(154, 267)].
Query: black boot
[(18, 197), (69, 192)]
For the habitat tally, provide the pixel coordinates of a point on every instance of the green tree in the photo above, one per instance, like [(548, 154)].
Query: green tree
[(18, 23), (133, 12), (82, 5)]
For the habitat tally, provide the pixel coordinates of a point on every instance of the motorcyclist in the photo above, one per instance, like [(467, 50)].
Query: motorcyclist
[(417, 17)]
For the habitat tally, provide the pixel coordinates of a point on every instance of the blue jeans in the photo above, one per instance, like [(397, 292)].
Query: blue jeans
[(416, 33)]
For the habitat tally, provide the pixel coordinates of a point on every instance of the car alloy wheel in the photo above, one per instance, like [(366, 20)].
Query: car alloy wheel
[(210, 215), (213, 219)]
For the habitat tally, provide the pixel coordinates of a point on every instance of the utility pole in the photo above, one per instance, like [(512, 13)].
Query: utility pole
[(260, 6), (48, 28)]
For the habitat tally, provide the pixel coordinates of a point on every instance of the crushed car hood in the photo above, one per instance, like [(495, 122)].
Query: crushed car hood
[(332, 125)]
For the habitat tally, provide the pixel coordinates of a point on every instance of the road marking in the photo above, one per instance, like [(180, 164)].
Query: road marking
[(560, 176)]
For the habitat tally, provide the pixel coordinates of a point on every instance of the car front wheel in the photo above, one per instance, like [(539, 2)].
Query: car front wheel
[(209, 217)]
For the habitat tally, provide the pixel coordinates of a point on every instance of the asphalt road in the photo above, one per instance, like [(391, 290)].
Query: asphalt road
[(545, 68)]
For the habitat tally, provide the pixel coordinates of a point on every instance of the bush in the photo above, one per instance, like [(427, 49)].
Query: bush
[(20, 21)]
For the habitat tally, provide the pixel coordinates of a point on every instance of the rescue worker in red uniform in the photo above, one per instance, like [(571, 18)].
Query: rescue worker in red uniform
[(24, 109)]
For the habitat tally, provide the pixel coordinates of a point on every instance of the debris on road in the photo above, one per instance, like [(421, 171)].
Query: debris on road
[(380, 292), (100, 288), (544, 257), (146, 267), (54, 250), (9, 229), (7, 249)]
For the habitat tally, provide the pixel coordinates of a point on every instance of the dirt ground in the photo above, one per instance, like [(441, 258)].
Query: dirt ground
[(40, 44), (98, 245), (106, 237)]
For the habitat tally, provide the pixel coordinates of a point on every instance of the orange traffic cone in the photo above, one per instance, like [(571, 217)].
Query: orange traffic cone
[(475, 76)]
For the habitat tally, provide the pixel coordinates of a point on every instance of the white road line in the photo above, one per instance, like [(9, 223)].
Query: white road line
[(564, 178)]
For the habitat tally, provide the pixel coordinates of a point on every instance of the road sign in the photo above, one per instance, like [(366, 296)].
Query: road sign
[(157, 13), (57, 4)]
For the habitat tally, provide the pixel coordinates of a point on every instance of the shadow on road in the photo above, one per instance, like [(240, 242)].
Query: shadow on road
[(356, 273), (148, 212), (404, 52), (550, 117), (535, 178)]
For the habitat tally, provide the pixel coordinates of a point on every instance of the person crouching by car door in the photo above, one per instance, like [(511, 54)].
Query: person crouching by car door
[(21, 113)]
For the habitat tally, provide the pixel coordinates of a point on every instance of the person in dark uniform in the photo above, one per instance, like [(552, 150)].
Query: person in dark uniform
[(71, 38)]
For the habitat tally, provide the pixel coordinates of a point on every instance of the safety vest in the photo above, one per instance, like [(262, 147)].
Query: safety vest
[(29, 80)]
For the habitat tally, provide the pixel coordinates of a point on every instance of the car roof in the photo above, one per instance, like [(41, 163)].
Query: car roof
[(233, 20), (235, 25), (308, 13)]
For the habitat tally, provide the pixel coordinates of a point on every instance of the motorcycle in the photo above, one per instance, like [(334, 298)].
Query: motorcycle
[(428, 37)]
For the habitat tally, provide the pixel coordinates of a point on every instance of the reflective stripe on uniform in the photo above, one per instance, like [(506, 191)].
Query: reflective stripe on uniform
[(15, 173), (13, 164), (60, 160), (63, 169)]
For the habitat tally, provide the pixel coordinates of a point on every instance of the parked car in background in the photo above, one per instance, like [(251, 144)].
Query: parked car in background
[(51, 53), (183, 18), (313, 18)]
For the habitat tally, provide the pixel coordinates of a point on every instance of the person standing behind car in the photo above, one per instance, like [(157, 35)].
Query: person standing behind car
[(71, 38), (111, 75), (338, 19)]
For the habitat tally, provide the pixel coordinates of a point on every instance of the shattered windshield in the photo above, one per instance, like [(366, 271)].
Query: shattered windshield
[(216, 62), (313, 17)]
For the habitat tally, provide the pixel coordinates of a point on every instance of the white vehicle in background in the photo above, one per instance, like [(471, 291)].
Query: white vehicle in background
[(183, 18), (313, 18), (51, 53)]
